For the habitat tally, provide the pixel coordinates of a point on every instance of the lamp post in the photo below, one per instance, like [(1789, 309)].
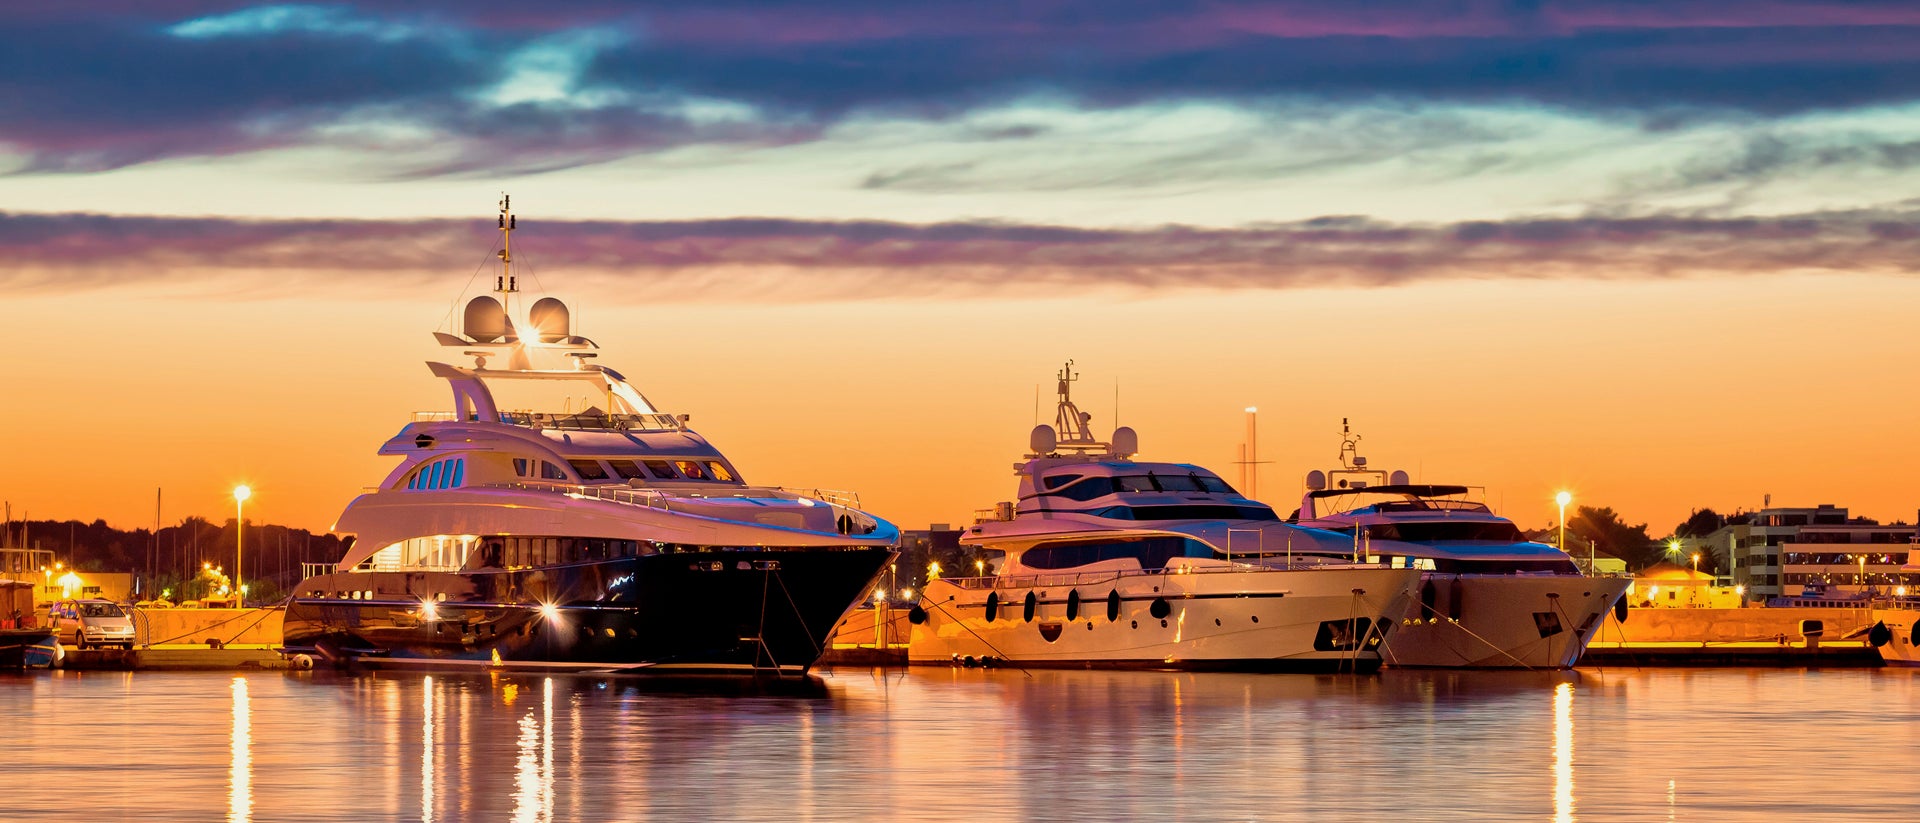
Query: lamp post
[(1563, 499), (1696, 562), (240, 495)]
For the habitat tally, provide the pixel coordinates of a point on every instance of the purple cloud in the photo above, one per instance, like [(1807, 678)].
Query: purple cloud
[(789, 259)]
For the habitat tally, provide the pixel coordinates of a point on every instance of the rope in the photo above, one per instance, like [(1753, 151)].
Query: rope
[(264, 611), (818, 650), (976, 635), (1470, 633)]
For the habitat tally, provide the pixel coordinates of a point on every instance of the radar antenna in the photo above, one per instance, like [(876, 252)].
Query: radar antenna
[(1350, 448), (1069, 420)]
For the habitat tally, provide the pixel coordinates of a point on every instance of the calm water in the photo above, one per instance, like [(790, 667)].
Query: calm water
[(1622, 744)]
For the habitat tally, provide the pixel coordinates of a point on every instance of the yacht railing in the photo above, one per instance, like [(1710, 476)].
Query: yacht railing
[(663, 499), (569, 422), (1030, 581)]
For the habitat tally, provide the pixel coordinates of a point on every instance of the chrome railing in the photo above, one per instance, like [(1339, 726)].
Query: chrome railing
[(663, 498), (568, 422)]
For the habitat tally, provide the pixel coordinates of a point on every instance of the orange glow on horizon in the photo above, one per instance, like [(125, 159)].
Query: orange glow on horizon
[(923, 407)]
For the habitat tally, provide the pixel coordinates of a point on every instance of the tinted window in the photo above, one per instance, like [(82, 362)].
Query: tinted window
[(101, 610), (588, 469), (1152, 552), (1088, 489), (1193, 512), (1177, 482), (661, 469), (459, 471), (719, 472), (521, 467), (627, 469), (1438, 532), (1134, 483), (1215, 485), (433, 481), (551, 472), (1057, 480), (691, 470)]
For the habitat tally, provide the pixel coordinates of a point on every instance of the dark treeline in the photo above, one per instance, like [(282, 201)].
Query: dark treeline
[(273, 553)]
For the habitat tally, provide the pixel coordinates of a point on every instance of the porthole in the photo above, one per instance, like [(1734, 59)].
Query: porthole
[(1163, 624), (1136, 623), (1216, 621), (1256, 618)]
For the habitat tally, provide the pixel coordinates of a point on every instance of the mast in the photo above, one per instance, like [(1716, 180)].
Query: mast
[(1069, 420), (504, 284)]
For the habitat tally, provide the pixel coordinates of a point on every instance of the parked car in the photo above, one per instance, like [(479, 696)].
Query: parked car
[(84, 623)]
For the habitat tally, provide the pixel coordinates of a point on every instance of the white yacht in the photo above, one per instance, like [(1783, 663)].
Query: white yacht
[(1489, 598), (1110, 561), (604, 536), (1896, 621)]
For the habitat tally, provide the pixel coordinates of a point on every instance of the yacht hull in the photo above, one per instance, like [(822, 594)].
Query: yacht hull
[(735, 612), (1486, 621), (1903, 643), (1327, 619)]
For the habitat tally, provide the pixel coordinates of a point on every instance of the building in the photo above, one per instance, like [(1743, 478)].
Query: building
[(1776, 552)]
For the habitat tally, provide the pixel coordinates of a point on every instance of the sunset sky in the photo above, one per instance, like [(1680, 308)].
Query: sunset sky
[(1658, 254)]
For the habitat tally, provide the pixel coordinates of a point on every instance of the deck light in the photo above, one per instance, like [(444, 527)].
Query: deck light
[(550, 612), (429, 611)]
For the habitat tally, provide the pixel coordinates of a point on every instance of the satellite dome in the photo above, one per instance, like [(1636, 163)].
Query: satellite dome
[(551, 317), (1126, 441), (1043, 440), (1399, 478), (1316, 480), (485, 320)]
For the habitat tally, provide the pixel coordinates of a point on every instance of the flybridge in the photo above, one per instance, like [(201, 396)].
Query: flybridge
[(490, 327)]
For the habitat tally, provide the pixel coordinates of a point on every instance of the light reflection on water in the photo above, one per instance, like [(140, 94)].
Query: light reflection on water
[(983, 745)]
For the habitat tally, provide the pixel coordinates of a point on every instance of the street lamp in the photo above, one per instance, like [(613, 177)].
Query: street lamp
[(1696, 562), (1563, 499), (240, 495), (1673, 549)]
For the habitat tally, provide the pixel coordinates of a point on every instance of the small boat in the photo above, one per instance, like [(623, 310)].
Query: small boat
[(23, 643), (1105, 561)]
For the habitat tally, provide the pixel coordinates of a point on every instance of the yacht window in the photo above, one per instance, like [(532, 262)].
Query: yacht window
[(1186, 512), (1054, 481), (1445, 531), (413, 480), (548, 471), (1134, 483), (661, 469), (1215, 485), (521, 467), (588, 469), (719, 472), (691, 469), (459, 472), (1088, 489), (1152, 552), (627, 469), (434, 481), (1177, 482)]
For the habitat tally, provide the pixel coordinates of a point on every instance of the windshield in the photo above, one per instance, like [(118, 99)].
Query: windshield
[(101, 610)]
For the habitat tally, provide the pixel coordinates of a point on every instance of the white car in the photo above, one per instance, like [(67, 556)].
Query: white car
[(85, 623)]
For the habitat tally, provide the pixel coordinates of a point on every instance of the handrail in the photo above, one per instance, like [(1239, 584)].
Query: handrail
[(567, 421), (661, 498)]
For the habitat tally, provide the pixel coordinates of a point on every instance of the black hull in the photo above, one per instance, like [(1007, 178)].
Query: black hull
[(730, 612)]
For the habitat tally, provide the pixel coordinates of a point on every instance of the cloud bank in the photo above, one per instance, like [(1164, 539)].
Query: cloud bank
[(769, 259), (510, 87)]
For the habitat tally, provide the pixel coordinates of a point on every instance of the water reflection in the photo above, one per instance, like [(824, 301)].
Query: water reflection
[(240, 760), (965, 744), (427, 775), (1563, 753), (533, 774)]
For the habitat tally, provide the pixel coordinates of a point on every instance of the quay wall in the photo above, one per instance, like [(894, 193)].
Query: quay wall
[(1729, 625), (196, 626), (857, 628)]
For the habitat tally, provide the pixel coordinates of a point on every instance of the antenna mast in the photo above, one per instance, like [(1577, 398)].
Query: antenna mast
[(1070, 421), (505, 283)]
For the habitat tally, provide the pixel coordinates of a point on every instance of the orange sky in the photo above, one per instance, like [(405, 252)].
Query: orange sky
[(1653, 397)]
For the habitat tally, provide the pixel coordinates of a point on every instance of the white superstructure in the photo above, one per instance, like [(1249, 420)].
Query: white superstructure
[(1104, 560)]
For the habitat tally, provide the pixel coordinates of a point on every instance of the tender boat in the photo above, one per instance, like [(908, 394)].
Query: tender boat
[(1109, 561), (24, 643), (1489, 598), (604, 537)]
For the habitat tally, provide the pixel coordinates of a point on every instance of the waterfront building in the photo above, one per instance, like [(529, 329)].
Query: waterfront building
[(1779, 551), (1672, 586)]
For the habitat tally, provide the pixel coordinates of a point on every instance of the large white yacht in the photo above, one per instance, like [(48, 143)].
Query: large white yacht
[(1896, 620), (1489, 598), (1109, 561), (606, 535)]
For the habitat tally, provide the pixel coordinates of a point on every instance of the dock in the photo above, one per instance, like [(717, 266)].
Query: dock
[(177, 658), (1760, 654)]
